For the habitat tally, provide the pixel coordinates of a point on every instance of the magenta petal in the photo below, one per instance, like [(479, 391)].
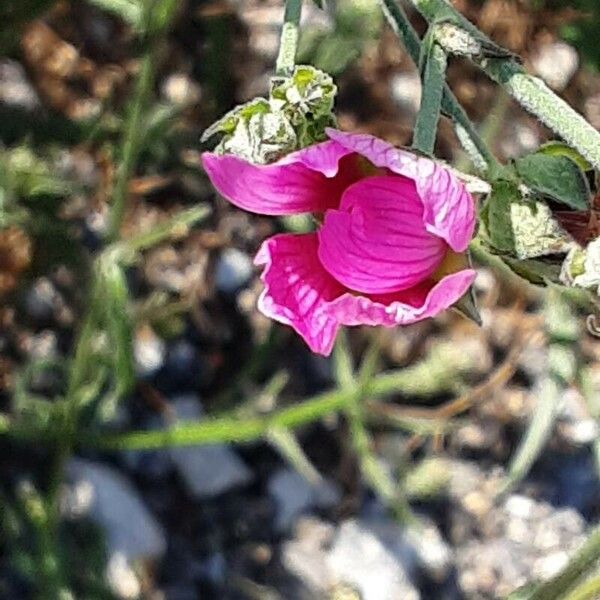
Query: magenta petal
[(401, 308), (449, 208), (377, 242), (309, 180), (298, 289)]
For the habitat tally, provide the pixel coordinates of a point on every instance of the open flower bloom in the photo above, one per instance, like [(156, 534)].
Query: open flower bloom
[(393, 226)]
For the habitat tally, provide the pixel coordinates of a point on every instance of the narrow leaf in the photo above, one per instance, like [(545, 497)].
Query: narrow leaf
[(433, 88)]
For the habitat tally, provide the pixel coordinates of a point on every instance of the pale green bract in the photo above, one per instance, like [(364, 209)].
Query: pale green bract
[(536, 231), (295, 115), (581, 268)]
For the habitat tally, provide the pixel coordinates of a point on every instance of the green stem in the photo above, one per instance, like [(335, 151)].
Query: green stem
[(585, 560), (227, 428), (588, 590), (131, 135), (482, 157), (232, 429), (531, 92), (175, 226), (290, 33), (431, 100)]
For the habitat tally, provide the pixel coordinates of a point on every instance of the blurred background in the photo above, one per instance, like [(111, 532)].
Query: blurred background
[(465, 412)]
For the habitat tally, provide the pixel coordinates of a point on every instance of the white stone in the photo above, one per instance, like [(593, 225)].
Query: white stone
[(582, 432), (121, 578), (406, 90), (305, 555), (15, 88), (358, 557), (117, 507), (149, 351), (556, 64), (549, 566), (179, 89), (233, 270), (432, 551), (519, 506)]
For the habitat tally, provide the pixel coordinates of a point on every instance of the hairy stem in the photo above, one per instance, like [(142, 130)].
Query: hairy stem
[(288, 44), (531, 92), (131, 135), (482, 157)]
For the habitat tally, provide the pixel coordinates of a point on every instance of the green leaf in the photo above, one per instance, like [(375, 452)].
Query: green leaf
[(556, 148), (434, 70), (116, 319), (537, 272), (558, 177), (499, 223)]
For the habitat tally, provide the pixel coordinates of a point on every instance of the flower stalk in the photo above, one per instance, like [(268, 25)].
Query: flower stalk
[(290, 34)]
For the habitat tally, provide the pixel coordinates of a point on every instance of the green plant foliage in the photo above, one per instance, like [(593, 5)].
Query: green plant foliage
[(497, 215), (556, 176)]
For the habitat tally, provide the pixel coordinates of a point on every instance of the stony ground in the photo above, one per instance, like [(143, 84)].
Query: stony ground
[(233, 522)]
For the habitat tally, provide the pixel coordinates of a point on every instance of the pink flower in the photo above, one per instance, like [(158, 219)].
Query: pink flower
[(390, 219)]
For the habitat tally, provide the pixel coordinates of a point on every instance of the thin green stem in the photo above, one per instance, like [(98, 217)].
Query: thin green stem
[(290, 33), (232, 429), (226, 428), (175, 226), (482, 157), (588, 590), (531, 92), (131, 135)]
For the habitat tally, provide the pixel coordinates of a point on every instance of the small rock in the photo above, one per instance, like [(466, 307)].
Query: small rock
[(121, 577), (549, 566), (41, 301), (118, 508), (524, 540), (492, 569), (149, 351), (179, 89), (556, 64), (41, 346), (406, 91), (294, 495), (15, 88), (432, 552), (580, 433), (305, 555), (207, 470), (358, 557), (519, 506), (233, 271)]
